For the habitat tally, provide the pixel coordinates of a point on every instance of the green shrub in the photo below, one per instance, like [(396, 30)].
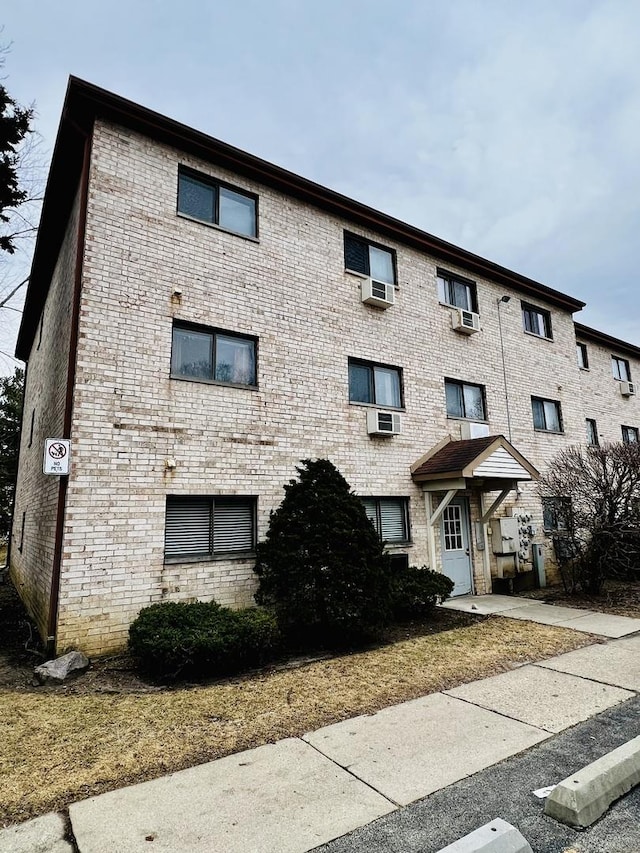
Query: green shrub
[(201, 639), (415, 592), (322, 566)]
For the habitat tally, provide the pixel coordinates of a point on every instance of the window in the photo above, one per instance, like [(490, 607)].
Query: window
[(583, 357), (629, 435), (207, 200), (620, 368), (592, 432), (536, 321), (546, 415), (390, 518), (366, 258), (22, 526), (203, 527), (464, 400), (212, 355), (33, 422), (457, 291), (377, 384), (556, 513)]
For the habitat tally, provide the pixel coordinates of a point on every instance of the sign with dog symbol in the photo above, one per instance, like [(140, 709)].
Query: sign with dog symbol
[(56, 456)]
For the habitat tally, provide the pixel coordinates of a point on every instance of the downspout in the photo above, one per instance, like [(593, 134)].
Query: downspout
[(54, 596)]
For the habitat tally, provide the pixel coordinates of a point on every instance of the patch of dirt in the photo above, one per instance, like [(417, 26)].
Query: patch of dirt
[(620, 598)]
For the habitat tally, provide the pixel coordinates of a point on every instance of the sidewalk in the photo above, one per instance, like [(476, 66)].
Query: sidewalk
[(299, 793)]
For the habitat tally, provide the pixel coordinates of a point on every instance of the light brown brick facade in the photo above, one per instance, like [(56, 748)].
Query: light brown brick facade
[(290, 290)]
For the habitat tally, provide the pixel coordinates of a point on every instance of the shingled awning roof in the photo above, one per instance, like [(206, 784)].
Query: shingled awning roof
[(491, 457)]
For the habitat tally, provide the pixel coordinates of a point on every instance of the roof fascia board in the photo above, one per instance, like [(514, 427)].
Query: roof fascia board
[(608, 341)]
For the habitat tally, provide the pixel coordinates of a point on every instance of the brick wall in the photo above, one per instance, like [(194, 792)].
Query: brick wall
[(44, 402), (291, 291)]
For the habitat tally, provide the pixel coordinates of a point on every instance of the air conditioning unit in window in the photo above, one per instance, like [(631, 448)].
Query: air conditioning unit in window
[(383, 423), (627, 389), (378, 293), (466, 322), (470, 429)]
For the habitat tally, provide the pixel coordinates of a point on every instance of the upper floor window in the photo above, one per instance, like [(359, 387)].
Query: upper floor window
[(208, 200), (464, 400), (546, 415), (629, 435), (369, 259), (620, 369), (536, 321), (390, 517), (583, 356), (378, 384), (203, 527), (456, 291), (212, 355), (592, 432)]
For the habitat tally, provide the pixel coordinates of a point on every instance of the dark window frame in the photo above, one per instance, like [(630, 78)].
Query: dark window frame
[(217, 184), (360, 362), (461, 384), (31, 428), (406, 517), (213, 554), (582, 354), (616, 361), (630, 430), (358, 238), (213, 331), (593, 439), (558, 406), (449, 278), (528, 309), (557, 511)]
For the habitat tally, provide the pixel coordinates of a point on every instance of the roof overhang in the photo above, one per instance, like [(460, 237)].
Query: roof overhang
[(489, 464), (84, 103)]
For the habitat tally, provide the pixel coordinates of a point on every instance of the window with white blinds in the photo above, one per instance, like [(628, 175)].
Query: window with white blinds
[(389, 517), (202, 527)]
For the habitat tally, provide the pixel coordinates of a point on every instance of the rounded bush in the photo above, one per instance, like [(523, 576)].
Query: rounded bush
[(201, 639), (416, 591)]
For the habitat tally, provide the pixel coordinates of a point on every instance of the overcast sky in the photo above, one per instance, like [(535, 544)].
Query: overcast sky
[(509, 128)]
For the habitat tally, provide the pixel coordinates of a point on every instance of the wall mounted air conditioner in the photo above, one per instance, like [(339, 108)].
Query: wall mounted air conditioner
[(383, 423), (378, 293), (471, 429), (627, 389), (466, 322)]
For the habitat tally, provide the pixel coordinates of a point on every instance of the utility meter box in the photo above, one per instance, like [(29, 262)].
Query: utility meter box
[(505, 536)]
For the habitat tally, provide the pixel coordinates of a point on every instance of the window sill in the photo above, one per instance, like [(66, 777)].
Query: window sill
[(584, 369), (457, 307), (212, 382), (390, 545), (217, 227), (549, 431), (377, 406), (363, 276), (210, 558), (468, 420), (539, 337)]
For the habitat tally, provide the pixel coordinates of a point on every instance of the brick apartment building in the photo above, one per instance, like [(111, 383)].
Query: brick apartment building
[(198, 321)]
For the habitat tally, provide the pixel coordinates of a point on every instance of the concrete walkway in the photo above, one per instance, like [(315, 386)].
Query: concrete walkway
[(587, 621), (299, 793)]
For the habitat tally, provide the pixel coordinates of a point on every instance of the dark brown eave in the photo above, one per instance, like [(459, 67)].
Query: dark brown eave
[(85, 102), (615, 344)]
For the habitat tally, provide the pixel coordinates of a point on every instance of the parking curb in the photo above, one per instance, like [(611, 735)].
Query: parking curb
[(583, 797), (497, 836)]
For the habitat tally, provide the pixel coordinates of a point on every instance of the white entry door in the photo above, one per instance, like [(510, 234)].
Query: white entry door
[(456, 559)]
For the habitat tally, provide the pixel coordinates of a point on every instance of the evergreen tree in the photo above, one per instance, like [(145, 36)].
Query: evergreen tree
[(322, 565), (14, 126), (10, 414)]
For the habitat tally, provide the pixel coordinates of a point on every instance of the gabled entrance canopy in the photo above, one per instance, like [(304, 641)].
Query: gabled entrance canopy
[(491, 458), (488, 464)]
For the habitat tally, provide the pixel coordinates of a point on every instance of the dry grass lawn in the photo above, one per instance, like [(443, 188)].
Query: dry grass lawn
[(60, 747)]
